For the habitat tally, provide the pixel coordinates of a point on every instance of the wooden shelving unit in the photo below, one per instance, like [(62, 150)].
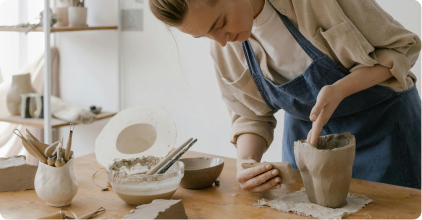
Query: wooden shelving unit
[(58, 29), (39, 122)]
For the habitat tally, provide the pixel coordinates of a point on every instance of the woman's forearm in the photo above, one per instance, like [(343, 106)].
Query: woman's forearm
[(362, 79), (250, 146)]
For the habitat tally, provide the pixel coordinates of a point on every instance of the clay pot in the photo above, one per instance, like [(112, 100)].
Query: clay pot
[(62, 16), (56, 185), (326, 170), (21, 84), (201, 172), (77, 16)]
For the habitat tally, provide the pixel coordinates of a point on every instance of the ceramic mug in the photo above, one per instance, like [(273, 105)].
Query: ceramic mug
[(32, 105)]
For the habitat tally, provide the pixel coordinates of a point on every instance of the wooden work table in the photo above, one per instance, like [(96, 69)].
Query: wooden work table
[(223, 202)]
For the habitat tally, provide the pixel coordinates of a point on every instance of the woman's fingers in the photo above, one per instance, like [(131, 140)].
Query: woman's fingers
[(249, 173), (266, 186), (260, 179)]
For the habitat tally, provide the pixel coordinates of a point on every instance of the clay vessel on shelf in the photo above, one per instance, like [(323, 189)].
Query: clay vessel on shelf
[(77, 16), (326, 170), (62, 16), (21, 84), (56, 185)]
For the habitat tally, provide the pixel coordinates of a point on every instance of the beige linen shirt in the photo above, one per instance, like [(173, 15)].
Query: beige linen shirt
[(354, 33)]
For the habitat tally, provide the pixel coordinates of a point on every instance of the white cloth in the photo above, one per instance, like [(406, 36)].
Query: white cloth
[(299, 203), (69, 112), (284, 54)]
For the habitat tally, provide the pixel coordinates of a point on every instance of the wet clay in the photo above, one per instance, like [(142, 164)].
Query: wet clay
[(326, 170), (159, 209), (132, 199), (286, 172)]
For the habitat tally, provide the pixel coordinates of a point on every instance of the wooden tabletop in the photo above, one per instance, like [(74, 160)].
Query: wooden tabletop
[(223, 202)]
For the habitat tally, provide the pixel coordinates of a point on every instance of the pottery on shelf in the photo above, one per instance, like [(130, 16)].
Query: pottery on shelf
[(56, 185), (62, 16), (326, 170), (77, 16), (21, 84)]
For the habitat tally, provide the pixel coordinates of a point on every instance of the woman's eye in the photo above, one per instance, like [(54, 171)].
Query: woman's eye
[(224, 23)]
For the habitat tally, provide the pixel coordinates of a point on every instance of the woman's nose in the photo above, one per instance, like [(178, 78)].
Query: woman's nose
[(221, 38)]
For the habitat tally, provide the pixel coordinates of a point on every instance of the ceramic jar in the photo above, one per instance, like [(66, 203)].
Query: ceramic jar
[(62, 16), (326, 170), (21, 84), (56, 185), (77, 16)]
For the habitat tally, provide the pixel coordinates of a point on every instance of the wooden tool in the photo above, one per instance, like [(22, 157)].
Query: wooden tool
[(32, 136), (69, 143), (171, 162), (31, 148), (166, 159)]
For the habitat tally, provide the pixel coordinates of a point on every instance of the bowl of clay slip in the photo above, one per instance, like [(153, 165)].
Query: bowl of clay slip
[(326, 169), (201, 172)]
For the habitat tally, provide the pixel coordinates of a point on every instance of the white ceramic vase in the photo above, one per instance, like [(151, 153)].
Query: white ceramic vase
[(21, 84), (77, 16), (326, 170), (56, 185), (62, 16)]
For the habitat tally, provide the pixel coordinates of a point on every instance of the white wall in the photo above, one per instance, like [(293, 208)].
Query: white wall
[(154, 74)]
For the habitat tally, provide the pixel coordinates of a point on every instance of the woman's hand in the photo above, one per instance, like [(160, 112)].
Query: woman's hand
[(327, 101), (257, 179)]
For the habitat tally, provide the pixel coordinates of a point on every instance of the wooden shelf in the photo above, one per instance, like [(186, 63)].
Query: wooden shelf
[(57, 29), (39, 122)]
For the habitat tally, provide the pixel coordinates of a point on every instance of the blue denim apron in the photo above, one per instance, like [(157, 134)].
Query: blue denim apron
[(386, 124)]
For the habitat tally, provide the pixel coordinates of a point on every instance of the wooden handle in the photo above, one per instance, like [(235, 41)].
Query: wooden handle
[(54, 216), (34, 151), (165, 160), (69, 145)]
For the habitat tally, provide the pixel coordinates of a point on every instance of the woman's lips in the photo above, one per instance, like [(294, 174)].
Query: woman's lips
[(235, 39)]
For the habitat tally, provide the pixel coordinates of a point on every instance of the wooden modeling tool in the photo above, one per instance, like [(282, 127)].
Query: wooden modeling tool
[(31, 148), (59, 160), (92, 214), (32, 136), (171, 162), (69, 143), (166, 159), (29, 138)]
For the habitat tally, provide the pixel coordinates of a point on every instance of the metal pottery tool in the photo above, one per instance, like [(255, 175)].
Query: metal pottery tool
[(69, 143), (171, 162), (166, 159), (59, 160), (32, 136), (60, 215), (31, 148), (48, 151), (92, 214)]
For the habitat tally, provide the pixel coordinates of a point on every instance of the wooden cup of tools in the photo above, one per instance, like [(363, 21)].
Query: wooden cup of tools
[(54, 182)]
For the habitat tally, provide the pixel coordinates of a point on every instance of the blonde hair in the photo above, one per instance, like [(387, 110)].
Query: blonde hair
[(171, 12)]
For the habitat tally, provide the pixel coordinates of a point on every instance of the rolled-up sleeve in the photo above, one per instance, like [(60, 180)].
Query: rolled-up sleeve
[(244, 120), (395, 47)]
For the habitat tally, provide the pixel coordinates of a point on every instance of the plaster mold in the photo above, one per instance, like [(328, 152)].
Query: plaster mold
[(136, 132), (326, 170)]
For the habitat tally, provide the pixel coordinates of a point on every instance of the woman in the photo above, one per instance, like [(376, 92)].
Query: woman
[(333, 66)]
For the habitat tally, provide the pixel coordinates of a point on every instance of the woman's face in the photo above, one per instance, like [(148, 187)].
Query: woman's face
[(226, 20)]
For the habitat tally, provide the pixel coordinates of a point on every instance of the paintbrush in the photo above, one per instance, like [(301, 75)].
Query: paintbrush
[(171, 162), (166, 159), (31, 148), (69, 143)]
